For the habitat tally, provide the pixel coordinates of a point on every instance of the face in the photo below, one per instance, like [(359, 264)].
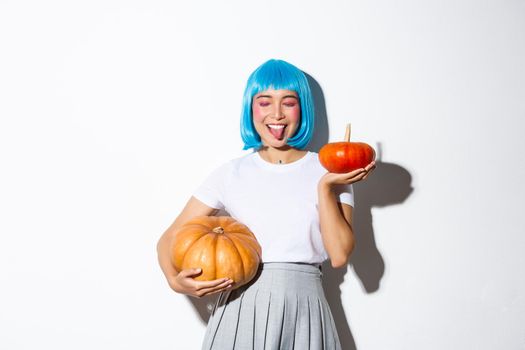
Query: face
[(276, 116)]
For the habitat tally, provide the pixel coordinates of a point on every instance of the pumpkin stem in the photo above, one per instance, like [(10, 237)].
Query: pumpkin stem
[(347, 134), (218, 229)]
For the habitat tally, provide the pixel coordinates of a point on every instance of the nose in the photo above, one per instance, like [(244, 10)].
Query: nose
[(277, 112)]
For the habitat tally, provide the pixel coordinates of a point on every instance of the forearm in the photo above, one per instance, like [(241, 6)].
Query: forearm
[(192, 209), (164, 256), (336, 231)]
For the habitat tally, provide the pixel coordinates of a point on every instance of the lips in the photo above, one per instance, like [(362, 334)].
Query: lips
[(277, 130)]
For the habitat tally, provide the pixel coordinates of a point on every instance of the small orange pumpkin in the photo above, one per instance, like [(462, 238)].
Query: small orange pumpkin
[(220, 246), (343, 157)]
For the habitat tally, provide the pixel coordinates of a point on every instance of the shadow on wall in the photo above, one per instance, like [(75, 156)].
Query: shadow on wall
[(389, 184)]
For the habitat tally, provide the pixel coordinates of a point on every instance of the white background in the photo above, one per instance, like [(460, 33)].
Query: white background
[(112, 112)]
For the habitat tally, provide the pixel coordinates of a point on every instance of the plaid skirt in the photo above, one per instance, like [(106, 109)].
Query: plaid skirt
[(283, 307)]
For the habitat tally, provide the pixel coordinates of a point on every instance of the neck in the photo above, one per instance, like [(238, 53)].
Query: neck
[(281, 155)]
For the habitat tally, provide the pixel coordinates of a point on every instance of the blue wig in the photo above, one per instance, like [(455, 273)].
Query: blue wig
[(278, 75)]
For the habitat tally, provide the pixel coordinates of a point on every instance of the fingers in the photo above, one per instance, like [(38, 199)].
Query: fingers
[(212, 290), (365, 170), (361, 175), (188, 285), (358, 174), (344, 177), (329, 178), (369, 169), (355, 173), (200, 285), (190, 272)]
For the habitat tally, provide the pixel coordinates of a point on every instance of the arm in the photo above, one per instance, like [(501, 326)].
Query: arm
[(336, 218), (183, 282)]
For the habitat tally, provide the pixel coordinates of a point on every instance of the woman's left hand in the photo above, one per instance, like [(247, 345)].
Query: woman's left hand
[(330, 179)]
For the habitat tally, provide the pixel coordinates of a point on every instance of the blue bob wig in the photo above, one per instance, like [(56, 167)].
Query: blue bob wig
[(278, 75)]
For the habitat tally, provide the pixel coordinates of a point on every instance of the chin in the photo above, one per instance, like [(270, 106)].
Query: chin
[(283, 146)]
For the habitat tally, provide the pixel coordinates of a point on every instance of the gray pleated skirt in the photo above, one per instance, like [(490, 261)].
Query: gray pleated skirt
[(284, 307)]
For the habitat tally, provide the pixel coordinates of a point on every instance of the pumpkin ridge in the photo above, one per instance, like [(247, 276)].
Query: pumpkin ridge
[(225, 221), (246, 249), (212, 249), (238, 226), (238, 254), (187, 239), (250, 255), (244, 234), (251, 241)]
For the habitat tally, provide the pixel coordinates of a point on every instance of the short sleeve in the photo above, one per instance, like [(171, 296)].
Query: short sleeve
[(345, 194), (211, 191)]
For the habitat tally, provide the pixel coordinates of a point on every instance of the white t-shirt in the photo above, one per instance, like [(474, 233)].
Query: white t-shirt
[(278, 202)]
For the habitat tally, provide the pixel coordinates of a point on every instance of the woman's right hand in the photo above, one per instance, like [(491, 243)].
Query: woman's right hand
[(185, 283)]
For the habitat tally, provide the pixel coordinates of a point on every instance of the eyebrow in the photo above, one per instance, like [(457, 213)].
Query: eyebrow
[(286, 96)]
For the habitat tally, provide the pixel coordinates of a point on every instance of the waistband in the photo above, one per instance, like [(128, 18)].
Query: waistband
[(302, 267)]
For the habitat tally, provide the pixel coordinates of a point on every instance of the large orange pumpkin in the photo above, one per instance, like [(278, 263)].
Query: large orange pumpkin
[(220, 246)]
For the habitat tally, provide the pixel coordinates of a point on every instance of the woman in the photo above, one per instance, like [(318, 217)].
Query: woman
[(300, 214)]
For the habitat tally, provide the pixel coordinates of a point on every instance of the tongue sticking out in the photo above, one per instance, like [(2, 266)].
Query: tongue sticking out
[(277, 133)]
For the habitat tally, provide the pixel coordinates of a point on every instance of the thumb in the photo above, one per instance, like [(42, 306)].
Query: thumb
[(191, 272)]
